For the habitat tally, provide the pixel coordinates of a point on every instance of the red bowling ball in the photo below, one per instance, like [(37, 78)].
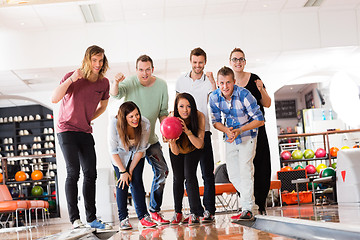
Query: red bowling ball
[(285, 155), (171, 128), (310, 169), (320, 153)]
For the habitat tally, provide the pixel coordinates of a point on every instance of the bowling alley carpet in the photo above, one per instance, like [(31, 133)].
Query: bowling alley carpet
[(289, 222)]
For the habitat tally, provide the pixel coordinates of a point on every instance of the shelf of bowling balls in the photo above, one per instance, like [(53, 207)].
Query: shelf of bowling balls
[(305, 159), (31, 181), (30, 156)]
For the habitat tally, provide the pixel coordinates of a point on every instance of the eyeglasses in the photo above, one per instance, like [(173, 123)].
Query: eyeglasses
[(238, 59)]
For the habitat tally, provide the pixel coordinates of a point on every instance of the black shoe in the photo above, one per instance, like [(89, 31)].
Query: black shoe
[(262, 212), (246, 216)]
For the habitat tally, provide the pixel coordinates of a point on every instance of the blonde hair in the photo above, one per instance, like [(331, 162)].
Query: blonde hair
[(86, 63)]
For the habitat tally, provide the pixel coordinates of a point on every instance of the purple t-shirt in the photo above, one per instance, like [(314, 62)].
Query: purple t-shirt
[(79, 104)]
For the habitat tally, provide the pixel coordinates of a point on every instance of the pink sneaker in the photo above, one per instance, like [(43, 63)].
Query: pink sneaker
[(146, 222), (176, 219), (158, 218), (235, 218), (186, 220)]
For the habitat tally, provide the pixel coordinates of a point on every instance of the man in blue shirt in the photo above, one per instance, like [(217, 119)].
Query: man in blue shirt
[(242, 118)]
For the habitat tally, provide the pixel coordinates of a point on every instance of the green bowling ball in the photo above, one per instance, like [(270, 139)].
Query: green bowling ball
[(328, 172), (298, 167), (52, 204), (308, 153), (333, 165), (37, 191), (310, 186), (297, 154)]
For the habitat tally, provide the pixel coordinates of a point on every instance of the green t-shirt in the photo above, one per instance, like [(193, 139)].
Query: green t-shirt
[(152, 101)]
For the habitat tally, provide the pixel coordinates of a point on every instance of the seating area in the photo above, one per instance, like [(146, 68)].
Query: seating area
[(8, 207), (227, 199)]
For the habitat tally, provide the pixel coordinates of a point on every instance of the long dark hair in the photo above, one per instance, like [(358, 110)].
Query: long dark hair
[(194, 120), (121, 124)]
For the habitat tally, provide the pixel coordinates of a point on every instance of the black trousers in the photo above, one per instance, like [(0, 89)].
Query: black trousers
[(207, 172), (78, 150), (262, 166), (184, 168)]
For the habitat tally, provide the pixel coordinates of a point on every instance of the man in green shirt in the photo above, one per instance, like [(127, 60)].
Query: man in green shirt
[(151, 95)]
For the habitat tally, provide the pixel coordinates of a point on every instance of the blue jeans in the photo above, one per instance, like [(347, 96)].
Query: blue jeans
[(78, 150), (207, 172), (156, 159), (137, 192)]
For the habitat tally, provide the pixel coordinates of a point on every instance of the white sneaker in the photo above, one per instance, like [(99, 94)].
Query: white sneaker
[(78, 224)]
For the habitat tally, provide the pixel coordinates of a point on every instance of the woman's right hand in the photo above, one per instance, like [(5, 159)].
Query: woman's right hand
[(119, 77), (125, 178)]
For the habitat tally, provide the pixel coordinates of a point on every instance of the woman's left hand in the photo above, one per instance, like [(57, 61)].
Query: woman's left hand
[(125, 178), (259, 84)]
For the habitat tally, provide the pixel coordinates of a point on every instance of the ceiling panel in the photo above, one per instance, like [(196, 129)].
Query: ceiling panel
[(8, 76), (184, 11), (336, 4), (143, 15), (265, 5), (54, 14), (131, 5), (224, 9), (113, 10), (292, 4), (34, 73), (177, 3)]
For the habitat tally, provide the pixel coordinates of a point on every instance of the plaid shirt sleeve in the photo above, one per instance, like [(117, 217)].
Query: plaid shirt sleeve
[(214, 107)]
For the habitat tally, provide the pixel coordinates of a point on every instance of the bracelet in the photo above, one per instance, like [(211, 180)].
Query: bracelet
[(71, 79), (241, 131), (189, 133), (123, 172)]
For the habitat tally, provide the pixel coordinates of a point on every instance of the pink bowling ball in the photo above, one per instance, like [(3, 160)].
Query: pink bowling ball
[(320, 153), (285, 155), (171, 128), (310, 169)]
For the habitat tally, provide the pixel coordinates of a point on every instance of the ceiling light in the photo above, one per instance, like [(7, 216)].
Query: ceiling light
[(313, 3), (91, 13)]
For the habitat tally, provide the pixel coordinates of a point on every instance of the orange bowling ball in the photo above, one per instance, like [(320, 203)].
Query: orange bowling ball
[(356, 146), (333, 151), (36, 175), (286, 168), (1, 178), (20, 176)]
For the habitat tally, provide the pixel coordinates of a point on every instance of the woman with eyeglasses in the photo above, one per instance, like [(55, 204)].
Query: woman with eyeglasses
[(262, 164)]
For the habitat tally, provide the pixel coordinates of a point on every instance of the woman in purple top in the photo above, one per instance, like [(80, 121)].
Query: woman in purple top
[(84, 94)]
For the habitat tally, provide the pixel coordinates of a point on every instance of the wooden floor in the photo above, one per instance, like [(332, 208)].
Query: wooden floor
[(222, 228)]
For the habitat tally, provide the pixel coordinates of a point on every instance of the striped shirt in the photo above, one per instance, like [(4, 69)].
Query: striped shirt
[(239, 111)]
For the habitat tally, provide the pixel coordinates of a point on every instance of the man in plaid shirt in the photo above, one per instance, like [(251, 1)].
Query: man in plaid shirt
[(242, 118)]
